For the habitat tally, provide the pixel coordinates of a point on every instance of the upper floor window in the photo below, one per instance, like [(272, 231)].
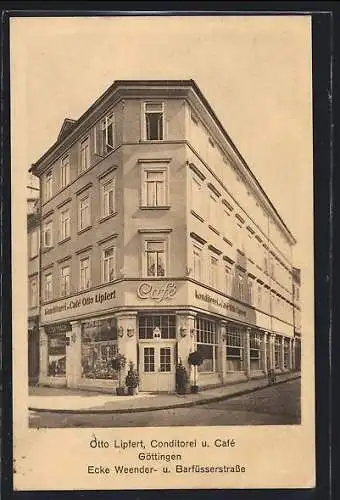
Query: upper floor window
[(65, 224), (84, 213), (154, 188), (85, 277), (213, 264), (213, 212), (65, 171), (84, 155), (34, 243), (48, 185), (33, 298), (241, 287), (108, 134), (155, 258), (48, 234), (154, 118), (108, 197), (108, 264), (48, 286), (65, 281), (250, 290), (197, 195), (197, 263), (259, 295), (228, 279)]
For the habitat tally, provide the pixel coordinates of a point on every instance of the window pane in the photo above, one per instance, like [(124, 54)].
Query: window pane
[(165, 359), (155, 246), (151, 264), (161, 265)]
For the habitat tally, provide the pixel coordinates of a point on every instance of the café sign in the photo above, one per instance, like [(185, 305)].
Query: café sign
[(157, 292)]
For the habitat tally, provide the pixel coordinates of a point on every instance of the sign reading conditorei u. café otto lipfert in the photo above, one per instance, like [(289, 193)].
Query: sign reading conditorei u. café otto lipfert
[(80, 305)]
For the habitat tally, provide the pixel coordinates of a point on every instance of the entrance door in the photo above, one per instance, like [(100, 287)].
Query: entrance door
[(157, 367)]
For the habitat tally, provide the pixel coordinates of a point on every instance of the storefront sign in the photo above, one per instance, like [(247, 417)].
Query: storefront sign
[(58, 328), (158, 293), (220, 303)]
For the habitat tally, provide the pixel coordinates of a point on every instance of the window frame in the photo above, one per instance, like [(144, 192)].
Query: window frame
[(81, 259), (144, 120), (48, 296), (48, 225), (103, 183), (196, 247), (105, 249), (33, 303), (34, 253), (81, 199), (104, 127), (213, 278), (48, 185), (65, 171), (65, 224), (145, 257), (86, 156), (66, 289)]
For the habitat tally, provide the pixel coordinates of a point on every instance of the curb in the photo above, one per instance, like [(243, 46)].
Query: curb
[(186, 404)]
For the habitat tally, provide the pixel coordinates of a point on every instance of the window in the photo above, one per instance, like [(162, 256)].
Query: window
[(228, 280), (48, 185), (64, 281), (165, 359), (277, 353), (47, 234), (154, 188), (250, 290), (213, 212), (164, 322), (108, 264), (154, 121), (65, 224), (155, 258), (206, 339), (213, 271), (108, 197), (34, 243), (33, 298), (84, 273), (255, 351), (197, 195), (99, 345), (84, 155), (56, 354), (241, 287), (149, 359), (234, 349), (84, 219), (65, 171), (108, 139), (197, 252), (259, 295), (48, 286)]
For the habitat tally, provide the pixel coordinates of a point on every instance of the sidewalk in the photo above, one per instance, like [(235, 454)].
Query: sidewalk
[(44, 399)]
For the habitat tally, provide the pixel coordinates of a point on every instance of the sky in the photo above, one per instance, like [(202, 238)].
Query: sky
[(255, 71)]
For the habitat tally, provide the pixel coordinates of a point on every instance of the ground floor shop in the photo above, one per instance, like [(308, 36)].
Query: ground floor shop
[(78, 353)]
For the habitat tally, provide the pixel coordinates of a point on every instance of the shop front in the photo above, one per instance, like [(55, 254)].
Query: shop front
[(155, 325)]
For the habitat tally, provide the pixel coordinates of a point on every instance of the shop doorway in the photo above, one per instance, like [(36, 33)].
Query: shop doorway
[(157, 366)]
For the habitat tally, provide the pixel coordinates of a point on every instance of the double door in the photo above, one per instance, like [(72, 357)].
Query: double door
[(157, 366)]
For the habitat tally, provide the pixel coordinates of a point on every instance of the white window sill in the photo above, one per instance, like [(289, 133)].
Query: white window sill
[(157, 207), (106, 217), (84, 229), (64, 240)]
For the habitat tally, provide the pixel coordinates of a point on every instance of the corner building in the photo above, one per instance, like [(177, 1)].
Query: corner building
[(156, 240)]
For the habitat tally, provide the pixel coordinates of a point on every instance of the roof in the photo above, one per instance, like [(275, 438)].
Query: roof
[(67, 127)]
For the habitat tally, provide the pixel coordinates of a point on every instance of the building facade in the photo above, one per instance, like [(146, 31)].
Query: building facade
[(157, 240), (33, 249)]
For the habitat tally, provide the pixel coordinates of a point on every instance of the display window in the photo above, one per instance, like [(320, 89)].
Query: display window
[(99, 346)]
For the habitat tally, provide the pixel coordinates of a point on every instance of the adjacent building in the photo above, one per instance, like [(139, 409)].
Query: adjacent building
[(157, 240)]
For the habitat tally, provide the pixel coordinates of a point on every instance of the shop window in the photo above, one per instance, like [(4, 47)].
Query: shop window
[(234, 349), (277, 353), (57, 355), (155, 258), (99, 345), (85, 273), (150, 325), (84, 155), (65, 172), (84, 217), (154, 121), (206, 341), (255, 351), (286, 354), (65, 224)]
